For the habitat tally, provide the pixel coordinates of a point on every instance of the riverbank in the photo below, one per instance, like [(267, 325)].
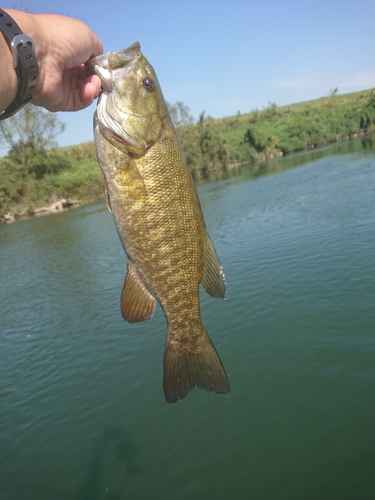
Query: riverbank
[(56, 206), (276, 131), (211, 146), (78, 183), (261, 166)]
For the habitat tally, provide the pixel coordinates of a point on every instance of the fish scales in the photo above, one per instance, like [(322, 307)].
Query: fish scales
[(159, 220)]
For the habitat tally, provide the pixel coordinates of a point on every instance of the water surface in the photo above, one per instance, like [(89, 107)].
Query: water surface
[(82, 409)]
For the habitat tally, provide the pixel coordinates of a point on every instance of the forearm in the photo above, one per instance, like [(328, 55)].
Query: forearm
[(8, 77)]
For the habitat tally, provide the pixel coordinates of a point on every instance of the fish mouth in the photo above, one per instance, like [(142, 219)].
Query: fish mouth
[(104, 64)]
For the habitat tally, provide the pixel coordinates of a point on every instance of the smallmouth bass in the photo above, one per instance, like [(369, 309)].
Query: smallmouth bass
[(152, 197)]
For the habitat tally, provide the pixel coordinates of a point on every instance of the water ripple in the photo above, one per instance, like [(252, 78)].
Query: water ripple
[(81, 390)]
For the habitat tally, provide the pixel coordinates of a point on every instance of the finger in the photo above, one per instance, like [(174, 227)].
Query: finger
[(97, 46), (88, 92), (79, 74)]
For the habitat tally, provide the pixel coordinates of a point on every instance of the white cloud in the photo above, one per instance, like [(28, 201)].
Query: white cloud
[(359, 81), (176, 91), (233, 103), (311, 80), (197, 89), (293, 83), (304, 80)]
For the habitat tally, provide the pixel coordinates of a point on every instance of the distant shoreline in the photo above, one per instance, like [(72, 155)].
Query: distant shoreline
[(67, 203), (211, 146), (54, 207)]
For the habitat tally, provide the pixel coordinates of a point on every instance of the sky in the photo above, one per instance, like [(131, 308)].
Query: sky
[(230, 56)]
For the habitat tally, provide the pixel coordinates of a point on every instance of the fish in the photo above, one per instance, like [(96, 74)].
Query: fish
[(151, 194)]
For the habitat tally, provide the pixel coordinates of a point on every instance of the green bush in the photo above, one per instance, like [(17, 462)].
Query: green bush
[(33, 174)]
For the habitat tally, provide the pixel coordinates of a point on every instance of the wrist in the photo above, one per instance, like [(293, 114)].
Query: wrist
[(31, 26), (17, 52)]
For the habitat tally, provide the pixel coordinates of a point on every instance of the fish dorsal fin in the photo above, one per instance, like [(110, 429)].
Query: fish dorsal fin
[(213, 280), (137, 303)]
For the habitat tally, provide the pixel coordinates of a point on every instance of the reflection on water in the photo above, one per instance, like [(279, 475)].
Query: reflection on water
[(113, 446), (83, 414), (278, 165)]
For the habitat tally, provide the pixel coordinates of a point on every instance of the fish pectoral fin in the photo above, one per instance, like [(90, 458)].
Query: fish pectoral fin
[(213, 280), (137, 303), (188, 365)]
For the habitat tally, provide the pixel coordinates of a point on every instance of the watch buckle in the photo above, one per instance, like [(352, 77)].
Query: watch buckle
[(16, 42)]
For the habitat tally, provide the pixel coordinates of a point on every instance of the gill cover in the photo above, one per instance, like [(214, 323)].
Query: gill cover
[(131, 106)]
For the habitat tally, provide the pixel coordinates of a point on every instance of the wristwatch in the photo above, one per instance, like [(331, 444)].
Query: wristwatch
[(24, 62)]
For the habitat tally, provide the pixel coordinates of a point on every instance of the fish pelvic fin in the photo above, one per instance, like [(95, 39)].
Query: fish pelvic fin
[(137, 303), (213, 279), (192, 364)]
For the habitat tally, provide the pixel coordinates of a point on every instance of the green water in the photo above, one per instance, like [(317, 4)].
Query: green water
[(82, 412)]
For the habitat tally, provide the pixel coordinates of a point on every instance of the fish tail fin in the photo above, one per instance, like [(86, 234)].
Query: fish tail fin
[(191, 364)]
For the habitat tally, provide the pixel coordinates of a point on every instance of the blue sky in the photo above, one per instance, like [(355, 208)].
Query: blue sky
[(222, 57)]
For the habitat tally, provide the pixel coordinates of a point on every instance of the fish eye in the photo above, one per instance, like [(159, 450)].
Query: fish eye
[(148, 84)]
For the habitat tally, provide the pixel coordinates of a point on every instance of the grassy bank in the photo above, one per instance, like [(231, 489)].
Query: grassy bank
[(73, 173), (77, 180), (276, 131)]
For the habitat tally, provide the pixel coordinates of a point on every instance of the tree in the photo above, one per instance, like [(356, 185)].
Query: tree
[(271, 110), (367, 117), (33, 126), (180, 114), (212, 147), (333, 92), (30, 135), (256, 138)]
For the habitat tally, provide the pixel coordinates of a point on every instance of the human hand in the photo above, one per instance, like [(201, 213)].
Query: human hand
[(62, 46)]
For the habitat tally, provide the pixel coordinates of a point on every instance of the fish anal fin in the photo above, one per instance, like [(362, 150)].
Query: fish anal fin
[(137, 303), (213, 280), (192, 365)]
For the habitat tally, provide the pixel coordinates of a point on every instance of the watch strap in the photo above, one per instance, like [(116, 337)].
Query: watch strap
[(24, 62)]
